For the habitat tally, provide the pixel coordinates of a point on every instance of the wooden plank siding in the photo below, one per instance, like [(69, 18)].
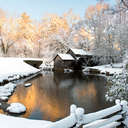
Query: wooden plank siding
[(60, 64)]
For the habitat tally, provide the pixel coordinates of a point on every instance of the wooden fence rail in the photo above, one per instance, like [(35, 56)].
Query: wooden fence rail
[(118, 115)]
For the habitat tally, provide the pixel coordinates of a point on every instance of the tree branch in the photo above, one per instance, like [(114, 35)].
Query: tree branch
[(124, 3)]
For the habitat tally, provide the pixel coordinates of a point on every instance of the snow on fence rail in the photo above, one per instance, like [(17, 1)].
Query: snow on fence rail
[(77, 117)]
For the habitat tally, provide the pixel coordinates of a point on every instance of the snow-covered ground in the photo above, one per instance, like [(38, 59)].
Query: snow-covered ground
[(16, 108), (6, 91), (14, 68), (111, 69), (16, 122), (76, 115)]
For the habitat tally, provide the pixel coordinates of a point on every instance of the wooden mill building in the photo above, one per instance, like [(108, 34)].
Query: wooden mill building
[(74, 59), (63, 61)]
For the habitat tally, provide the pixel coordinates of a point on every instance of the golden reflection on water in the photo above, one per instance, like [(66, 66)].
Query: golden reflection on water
[(34, 98), (26, 97), (49, 99), (86, 91), (50, 105), (1, 111)]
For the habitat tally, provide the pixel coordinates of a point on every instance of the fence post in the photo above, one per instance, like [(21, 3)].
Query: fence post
[(124, 105), (75, 118), (79, 117)]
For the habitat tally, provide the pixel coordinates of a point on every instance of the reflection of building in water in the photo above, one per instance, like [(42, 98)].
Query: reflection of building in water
[(63, 80), (90, 94), (83, 91), (85, 95)]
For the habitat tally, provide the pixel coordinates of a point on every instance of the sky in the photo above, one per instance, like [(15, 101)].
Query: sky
[(37, 8)]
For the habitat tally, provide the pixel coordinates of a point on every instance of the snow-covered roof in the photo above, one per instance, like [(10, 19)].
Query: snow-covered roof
[(80, 52), (66, 57)]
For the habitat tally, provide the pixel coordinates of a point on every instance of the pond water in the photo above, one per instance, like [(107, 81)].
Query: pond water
[(51, 95)]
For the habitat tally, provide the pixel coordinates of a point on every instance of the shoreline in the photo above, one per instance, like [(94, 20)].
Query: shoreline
[(106, 70), (20, 78)]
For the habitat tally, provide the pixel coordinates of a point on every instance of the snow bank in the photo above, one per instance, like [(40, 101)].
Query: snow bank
[(16, 122), (14, 68), (114, 69), (119, 65), (6, 91), (27, 84), (16, 108)]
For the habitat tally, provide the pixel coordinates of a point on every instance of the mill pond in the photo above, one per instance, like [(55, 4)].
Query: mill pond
[(51, 95)]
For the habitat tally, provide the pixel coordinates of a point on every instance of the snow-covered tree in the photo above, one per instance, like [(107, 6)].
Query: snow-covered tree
[(118, 84)]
